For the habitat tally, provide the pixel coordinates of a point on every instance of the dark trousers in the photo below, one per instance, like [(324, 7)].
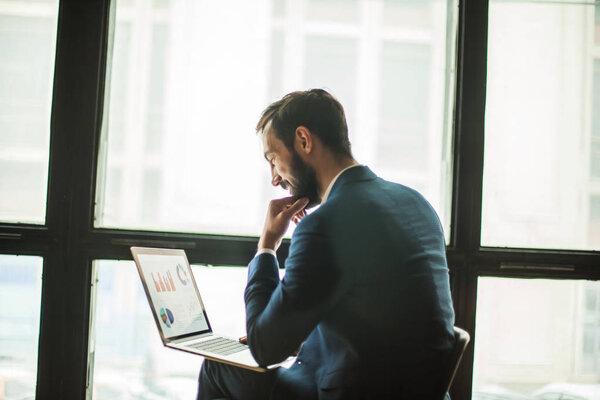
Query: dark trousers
[(223, 381)]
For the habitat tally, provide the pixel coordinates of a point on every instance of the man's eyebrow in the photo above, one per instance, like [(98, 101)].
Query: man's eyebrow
[(266, 153)]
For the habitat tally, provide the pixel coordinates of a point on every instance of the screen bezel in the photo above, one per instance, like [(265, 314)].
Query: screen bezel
[(135, 252)]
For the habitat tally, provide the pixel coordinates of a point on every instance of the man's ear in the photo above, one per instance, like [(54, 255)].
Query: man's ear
[(303, 140)]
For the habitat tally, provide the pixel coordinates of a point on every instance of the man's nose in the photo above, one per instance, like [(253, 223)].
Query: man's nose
[(275, 177)]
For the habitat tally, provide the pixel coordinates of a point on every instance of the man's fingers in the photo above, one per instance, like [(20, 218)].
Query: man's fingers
[(299, 215), (296, 207), (282, 202)]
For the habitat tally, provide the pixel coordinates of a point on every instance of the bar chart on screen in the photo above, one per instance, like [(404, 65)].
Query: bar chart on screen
[(164, 282)]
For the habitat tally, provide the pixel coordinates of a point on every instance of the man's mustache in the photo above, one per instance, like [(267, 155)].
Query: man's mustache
[(285, 184)]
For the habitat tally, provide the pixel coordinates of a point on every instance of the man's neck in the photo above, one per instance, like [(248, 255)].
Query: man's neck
[(329, 172)]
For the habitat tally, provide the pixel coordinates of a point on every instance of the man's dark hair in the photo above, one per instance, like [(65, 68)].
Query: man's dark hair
[(315, 109)]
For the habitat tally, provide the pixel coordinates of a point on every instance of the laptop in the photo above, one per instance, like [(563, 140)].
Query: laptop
[(179, 312)]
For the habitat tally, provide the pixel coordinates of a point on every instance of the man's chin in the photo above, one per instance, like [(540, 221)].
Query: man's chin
[(312, 201)]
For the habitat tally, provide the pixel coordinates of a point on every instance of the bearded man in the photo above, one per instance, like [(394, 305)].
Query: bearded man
[(366, 292)]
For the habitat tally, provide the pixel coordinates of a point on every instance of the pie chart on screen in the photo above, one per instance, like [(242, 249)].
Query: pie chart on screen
[(182, 275), (167, 317)]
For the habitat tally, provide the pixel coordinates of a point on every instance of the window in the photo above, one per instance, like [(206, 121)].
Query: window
[(539, 122), (594, 232), (27, 42), (129, 359), (595, 139), (537, 337), (176, 157), (597, 26), (590, 363), (129, 154), (403, 119), (20, 290)]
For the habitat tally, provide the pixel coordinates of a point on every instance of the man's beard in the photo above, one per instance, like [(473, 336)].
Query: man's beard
[(305, 178)]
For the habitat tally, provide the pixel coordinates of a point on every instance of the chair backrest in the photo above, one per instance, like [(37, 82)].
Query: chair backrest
[(461, 339)]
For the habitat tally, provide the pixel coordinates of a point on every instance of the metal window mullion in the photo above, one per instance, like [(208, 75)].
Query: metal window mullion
[(75, 119), (200, 248), (22, 239), (468, 175)]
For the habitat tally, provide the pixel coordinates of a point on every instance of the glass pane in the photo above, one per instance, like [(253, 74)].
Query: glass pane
[(27, 44), (403, 120), (595, 158), (20, 300), (404, 13), (130, 360), (541, 124), (188, 82), (596, 97), (333, 10), (597, 26), (537, 339)]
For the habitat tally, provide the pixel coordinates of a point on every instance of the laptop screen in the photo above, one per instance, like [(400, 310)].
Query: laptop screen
[(172, 293)]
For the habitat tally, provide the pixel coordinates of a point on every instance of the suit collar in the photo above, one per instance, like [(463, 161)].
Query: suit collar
[(335, 178), (352, 174)]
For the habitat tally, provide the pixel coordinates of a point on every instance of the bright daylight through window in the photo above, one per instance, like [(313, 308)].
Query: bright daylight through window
[(27, 44), (540, 338), (537, 339), (188, 81), (130, 360), (542, 125), (20, 293), (186, 84)]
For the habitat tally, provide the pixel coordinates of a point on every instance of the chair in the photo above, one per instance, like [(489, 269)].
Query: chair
[(461, 339), (451, 363)]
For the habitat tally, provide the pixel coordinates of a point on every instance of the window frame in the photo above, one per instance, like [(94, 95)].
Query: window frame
[(69, 242)]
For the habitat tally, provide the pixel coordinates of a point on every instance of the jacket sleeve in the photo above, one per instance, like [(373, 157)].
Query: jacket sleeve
[(281, 314)]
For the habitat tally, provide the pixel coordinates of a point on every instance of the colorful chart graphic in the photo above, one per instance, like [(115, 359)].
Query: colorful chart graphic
[(167, 317), (164, 283), (182, 275)]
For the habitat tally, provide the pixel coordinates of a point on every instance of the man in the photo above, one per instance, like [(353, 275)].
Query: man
[(365, 294)]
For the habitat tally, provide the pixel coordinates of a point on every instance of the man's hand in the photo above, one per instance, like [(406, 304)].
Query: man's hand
[(244, 340), (279, 215)]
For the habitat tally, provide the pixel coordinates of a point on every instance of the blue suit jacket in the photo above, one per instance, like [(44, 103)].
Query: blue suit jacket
[(365, 292)]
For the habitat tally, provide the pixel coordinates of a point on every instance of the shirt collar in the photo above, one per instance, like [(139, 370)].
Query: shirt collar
[(326, 195)]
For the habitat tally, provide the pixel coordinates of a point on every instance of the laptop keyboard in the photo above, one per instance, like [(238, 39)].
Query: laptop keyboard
[(220, 345)]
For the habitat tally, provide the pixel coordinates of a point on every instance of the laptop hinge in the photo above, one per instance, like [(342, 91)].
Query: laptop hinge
[(188, 338)]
